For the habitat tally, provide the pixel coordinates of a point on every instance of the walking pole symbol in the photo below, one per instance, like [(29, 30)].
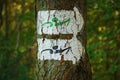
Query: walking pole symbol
[(56, 50)]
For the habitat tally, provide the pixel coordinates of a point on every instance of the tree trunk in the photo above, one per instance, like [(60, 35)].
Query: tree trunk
[(61, 40)]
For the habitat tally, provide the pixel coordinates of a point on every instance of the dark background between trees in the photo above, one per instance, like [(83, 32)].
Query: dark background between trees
[(18, 39)]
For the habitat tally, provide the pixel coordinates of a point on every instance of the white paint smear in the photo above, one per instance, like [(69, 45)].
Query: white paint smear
[(59, 22)]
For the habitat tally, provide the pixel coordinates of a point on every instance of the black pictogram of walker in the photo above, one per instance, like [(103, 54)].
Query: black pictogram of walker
[(56, 50)]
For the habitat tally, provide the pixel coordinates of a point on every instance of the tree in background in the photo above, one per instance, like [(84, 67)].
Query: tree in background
[(16, 40)]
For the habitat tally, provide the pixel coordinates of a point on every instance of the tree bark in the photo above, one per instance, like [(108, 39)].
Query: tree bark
[(62, 69)]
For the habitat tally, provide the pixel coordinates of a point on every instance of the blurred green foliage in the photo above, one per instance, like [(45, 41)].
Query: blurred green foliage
[(18, 39), (103, 38)]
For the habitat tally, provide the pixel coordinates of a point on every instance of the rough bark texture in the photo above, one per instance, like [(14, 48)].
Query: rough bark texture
[(64, 70)]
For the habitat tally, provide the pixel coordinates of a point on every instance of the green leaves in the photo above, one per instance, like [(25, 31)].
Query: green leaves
[(29, 16), (103, 38)]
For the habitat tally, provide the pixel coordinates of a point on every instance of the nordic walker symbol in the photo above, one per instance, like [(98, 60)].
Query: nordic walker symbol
[(56, 50), (55, 22)]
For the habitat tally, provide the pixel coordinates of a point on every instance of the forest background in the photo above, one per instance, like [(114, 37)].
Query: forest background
[(18, 39)]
